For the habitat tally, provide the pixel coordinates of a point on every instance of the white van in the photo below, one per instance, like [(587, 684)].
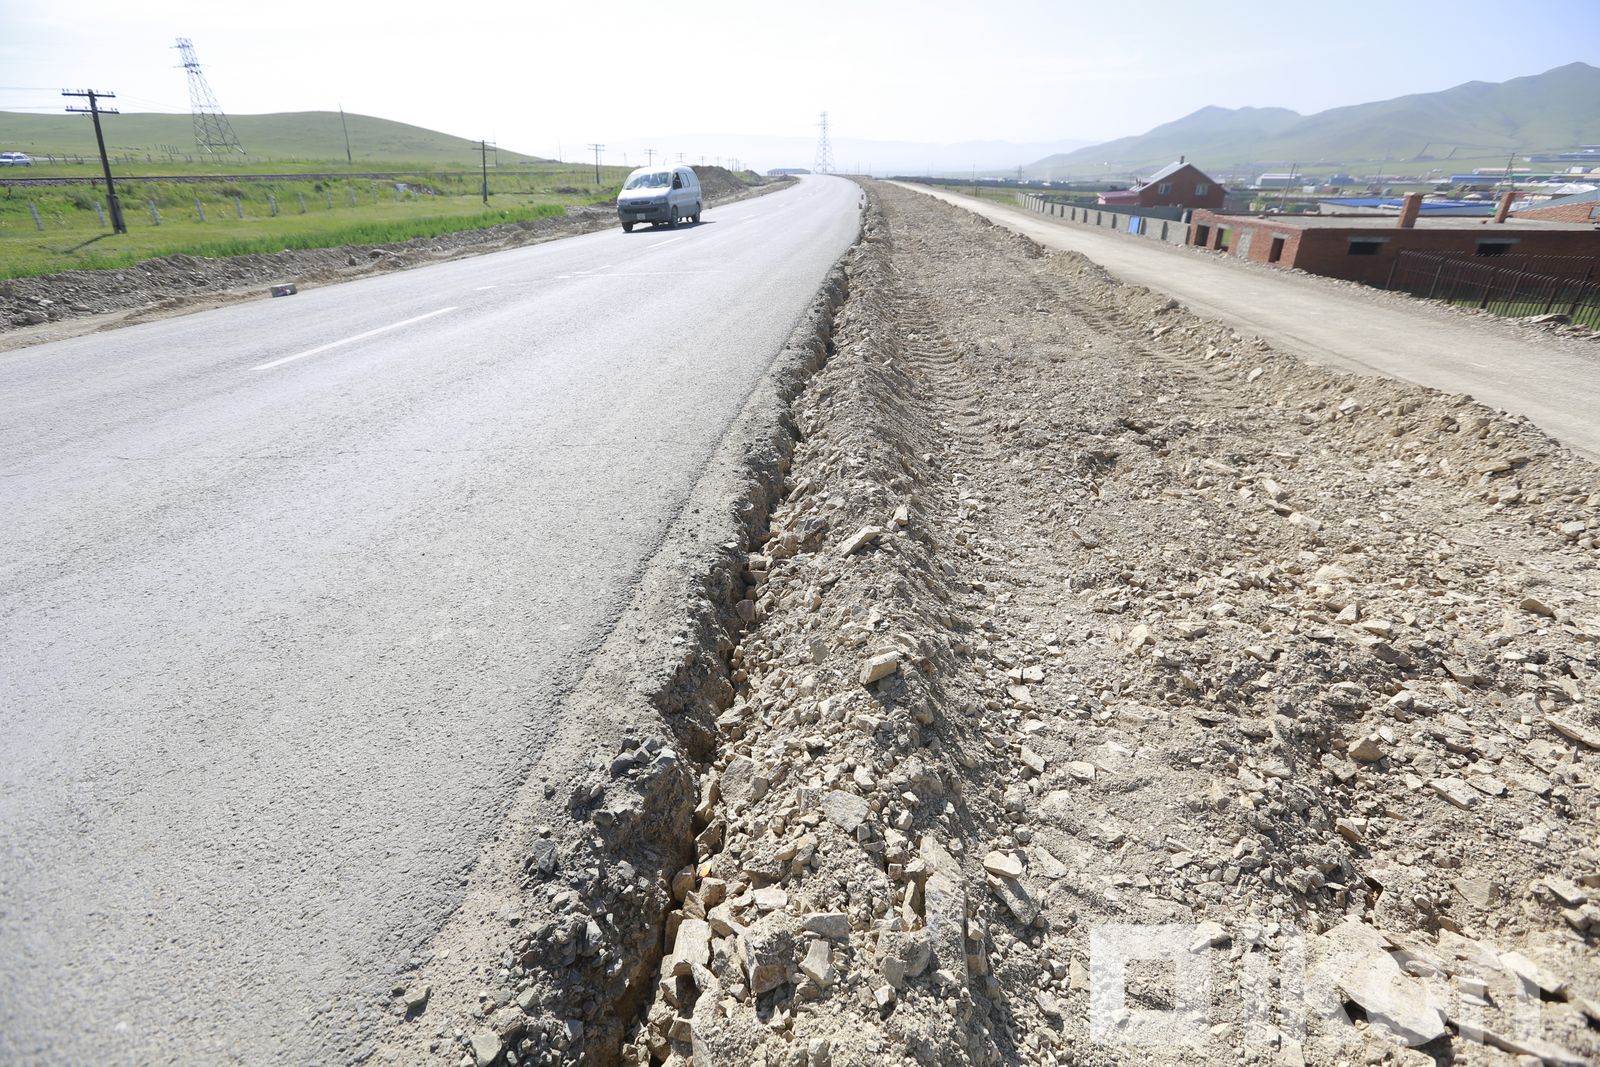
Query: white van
[(659, 194)]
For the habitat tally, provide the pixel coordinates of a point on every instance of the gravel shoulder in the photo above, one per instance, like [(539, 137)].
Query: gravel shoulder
[(1092, 658), (1549, 374)]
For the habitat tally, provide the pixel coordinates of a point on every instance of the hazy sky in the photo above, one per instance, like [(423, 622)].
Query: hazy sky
[(532, 74)]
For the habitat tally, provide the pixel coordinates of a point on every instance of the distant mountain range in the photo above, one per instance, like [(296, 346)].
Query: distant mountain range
[(1474, 124), (285, 137)]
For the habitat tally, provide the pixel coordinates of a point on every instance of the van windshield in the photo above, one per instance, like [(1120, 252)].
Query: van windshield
[(654, 180)]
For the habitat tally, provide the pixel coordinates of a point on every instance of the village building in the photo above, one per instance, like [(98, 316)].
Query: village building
[(1363, 248), (1179, 185)]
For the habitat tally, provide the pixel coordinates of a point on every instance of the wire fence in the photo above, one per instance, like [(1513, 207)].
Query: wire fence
[(1505, 285)]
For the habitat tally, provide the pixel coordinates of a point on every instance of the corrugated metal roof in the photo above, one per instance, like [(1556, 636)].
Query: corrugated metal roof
[(1487, 206), (1167, 171), (1562, 201)]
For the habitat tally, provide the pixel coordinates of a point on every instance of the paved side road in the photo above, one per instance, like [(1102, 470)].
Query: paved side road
[(290, 592), (1552, 383)]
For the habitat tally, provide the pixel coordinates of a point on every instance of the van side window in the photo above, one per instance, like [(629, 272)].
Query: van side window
[(677, 180)]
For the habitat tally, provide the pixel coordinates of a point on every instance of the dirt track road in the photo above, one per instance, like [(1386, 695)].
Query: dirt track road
[(1522, 372)]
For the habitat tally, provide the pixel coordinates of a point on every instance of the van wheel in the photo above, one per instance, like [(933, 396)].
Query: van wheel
[(696, 217), (627, 227), (672, 222)]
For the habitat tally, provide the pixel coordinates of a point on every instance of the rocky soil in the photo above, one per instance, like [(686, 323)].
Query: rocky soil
[(1095, 686), (45, 308)]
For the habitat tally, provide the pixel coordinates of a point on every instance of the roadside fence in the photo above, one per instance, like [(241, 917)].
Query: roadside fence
[(1505, 285), (1159, 224)]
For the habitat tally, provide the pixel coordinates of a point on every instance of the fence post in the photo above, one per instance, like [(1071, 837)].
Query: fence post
[(238, 206), (199, 209), (38, 223), (99, 209), (329, 198), (1516, 288), (1577, 298), (272, 202), (155, 216), (1435, 284), (302, 198)]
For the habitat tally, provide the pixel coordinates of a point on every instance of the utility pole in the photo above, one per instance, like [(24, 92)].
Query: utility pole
[(649, 157), (348, 158), (597, 149), (483, 148), (94, 111)]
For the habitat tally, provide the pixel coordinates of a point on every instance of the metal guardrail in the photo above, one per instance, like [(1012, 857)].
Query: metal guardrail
[(1505, 285)]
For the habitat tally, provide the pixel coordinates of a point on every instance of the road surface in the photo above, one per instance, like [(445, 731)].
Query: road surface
[(1553, 384), (290, 592)]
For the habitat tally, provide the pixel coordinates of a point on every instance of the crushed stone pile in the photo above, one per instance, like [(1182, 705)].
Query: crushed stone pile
[(1085, 618)]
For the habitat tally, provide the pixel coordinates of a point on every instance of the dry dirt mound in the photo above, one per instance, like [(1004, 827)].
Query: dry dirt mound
[(719, 183), (1092, 643)]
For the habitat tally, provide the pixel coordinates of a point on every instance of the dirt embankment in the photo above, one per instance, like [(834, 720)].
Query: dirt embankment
[(1093, 686), (1173, 631), (45, 308)]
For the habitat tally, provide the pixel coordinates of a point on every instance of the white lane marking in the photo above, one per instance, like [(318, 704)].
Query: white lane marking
[(631, 274), (349, 340), (481, 288), (660, 273), (594, 270), (663, 244)]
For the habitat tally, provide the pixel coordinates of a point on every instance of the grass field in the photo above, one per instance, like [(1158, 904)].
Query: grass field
[(217, 218)]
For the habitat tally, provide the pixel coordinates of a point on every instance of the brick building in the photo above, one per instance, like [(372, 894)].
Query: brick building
[(1580, 207), (1177, 184), (1362, 248)]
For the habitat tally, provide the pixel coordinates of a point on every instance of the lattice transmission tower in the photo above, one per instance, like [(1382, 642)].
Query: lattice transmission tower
[(213, 132), (824, 148)]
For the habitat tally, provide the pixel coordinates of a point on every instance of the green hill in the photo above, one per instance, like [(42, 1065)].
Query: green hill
[(296, 136), (1474, 123), (1228, 133)]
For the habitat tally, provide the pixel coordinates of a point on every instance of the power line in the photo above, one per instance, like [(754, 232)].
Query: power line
[(213, 133), (94, 111)]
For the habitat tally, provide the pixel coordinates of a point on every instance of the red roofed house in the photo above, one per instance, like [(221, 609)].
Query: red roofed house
[(1177, 184)]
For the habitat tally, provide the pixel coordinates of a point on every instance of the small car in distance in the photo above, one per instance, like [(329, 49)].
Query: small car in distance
[(659, 195), (15, 159)]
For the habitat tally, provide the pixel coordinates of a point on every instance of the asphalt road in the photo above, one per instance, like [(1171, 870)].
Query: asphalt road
[(1520, 371), (289, 593)]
